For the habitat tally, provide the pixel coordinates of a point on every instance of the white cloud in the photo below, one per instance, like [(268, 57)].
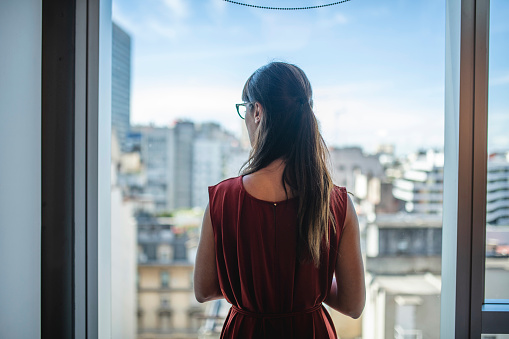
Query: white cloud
[(368, 115), (163, 105), (345, 115), (177, 8)]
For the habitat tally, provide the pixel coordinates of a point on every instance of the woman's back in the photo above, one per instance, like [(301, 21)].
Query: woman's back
[(270, 244), (274, 295)]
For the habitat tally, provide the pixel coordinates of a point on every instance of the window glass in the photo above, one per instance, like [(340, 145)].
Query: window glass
[(165, 279), (497, 192), (377, 71)]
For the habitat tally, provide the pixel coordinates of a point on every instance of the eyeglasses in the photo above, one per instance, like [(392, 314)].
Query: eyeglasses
[(242, 109)]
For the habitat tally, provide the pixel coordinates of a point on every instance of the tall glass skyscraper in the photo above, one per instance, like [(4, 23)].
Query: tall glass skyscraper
[(120, 84)]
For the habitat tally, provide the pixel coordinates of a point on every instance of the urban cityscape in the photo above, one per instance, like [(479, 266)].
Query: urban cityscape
[(160, 176)]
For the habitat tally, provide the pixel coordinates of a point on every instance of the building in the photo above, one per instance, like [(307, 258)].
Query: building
[(120, 84), (403, 267), (497, 190), (123, 256), (216, 156), (360, 173), (184, 132), (349, 162), (180, 162), (157, 153), (421, 185), (207, 169), (236, 158), (388, 203), (167, 307)]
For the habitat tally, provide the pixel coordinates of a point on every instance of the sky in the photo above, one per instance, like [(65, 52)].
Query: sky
[(376, 67)]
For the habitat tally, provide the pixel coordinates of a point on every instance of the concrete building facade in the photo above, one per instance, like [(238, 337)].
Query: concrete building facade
[(207, 169), (184, 132), (403, 267), (157, 153), (167, 307), (350, 162), (361, 174), (421, 185)]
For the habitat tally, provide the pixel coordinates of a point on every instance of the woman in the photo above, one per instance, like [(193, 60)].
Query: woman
[(270, 241)]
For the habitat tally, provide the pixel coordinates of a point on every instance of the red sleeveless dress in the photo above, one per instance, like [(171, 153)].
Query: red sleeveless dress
[(272, 294)]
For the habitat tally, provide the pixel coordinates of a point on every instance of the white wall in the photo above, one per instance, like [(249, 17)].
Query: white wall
[(20, 168)]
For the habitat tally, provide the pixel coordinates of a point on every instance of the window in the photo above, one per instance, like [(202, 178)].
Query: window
[(464, 178), (165, 279), (465, 312)]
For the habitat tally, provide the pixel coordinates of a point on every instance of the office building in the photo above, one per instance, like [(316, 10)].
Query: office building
[(215, 154), (207, 169), (420, 187), (157, 153), (184, 133), (120, 84)]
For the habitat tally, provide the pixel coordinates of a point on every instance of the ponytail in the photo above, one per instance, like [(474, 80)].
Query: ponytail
[(289, 131)]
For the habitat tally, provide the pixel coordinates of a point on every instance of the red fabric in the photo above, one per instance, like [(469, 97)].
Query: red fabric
[(273, 295)]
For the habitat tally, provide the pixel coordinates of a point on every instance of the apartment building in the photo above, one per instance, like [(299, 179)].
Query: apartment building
[(167, 307), (403, 265), (420, 187)]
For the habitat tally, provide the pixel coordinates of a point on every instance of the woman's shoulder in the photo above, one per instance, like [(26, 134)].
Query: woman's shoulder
[(225, 193), (339, 191), (339, 200), (339, 205), (227, 185)]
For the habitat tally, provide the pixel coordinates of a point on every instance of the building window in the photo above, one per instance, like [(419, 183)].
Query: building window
[(165, 279)]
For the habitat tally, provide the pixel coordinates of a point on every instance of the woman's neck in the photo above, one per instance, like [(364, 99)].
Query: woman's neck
[(275, 168), (266, 184)]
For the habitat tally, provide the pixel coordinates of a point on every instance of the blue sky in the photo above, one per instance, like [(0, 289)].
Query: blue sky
[(498, 96), (376, 67)]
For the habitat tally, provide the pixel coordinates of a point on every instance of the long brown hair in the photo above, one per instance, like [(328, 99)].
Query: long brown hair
[(289, 131)]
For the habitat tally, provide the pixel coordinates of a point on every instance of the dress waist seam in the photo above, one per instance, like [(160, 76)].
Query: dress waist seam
[(275, 315)]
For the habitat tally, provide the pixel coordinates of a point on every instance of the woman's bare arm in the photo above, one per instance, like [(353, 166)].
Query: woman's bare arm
[(206, 283), (348, 291)]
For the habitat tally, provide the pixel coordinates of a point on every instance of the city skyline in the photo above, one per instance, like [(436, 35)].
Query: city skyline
[(377, 69), (190, 61)]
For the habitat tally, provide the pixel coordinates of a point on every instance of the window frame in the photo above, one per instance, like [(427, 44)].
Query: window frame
[(463, 246), (75, 169), (92, 240), (464, 312)]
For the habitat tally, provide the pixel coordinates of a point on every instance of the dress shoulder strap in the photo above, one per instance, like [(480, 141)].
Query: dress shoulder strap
[(225, 200), (339, 204)]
